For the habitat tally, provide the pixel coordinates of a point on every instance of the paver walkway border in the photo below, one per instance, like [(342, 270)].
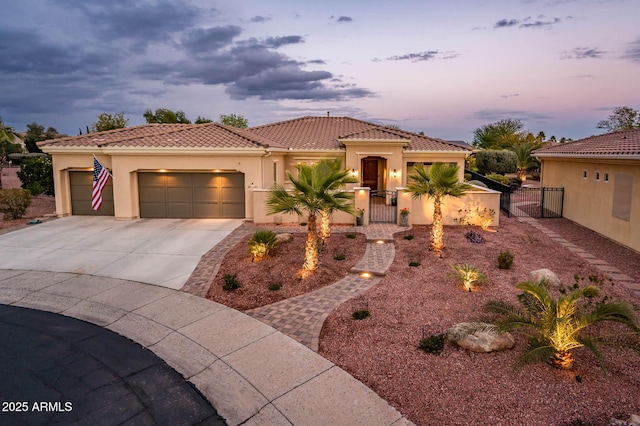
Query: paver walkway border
[(302, 317), (251, 373)]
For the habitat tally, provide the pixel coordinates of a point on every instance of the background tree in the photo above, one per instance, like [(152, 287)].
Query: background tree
[(202, 120), (622, 118), (525, 161), (234, 120), (541, 136), (499, 135), (7, 136), (36, 175), (107, 121), (163, 115), (440, 181), (36, 133)]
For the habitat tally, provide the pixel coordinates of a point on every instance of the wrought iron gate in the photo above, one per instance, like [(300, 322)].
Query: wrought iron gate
[(533, 202), (383, 206)]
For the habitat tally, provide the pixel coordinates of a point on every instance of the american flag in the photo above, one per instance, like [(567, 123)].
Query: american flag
[(100, 178)]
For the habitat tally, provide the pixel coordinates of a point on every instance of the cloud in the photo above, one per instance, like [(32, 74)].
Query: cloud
[(260, 19), (499, 114), (344, 19), (633, 51), (503, 23), (583, 53), (422, 56), (317, 62), (211, 39), (276, 42), (510, 96), (539, 23)]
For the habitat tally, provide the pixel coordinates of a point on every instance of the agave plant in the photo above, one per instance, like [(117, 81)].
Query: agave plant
[(467, 275), (558, 325)]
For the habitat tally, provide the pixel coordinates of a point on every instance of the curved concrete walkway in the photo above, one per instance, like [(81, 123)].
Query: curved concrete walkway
[(302, 317), (251, 373)]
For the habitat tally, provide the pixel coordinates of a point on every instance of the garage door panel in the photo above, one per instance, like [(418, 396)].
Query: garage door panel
[(81, 185), (191, 195)]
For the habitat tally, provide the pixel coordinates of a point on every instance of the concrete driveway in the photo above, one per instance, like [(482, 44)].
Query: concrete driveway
[(163, 252)]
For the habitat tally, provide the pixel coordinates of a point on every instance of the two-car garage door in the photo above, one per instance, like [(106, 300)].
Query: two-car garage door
[(191, 195)]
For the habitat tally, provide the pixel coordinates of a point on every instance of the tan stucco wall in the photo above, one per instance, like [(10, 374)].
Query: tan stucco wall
[(589, 202), (261, 216), (421, 210)]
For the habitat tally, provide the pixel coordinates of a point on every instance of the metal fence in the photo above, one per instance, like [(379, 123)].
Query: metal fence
[(533, 202), (383, 206)]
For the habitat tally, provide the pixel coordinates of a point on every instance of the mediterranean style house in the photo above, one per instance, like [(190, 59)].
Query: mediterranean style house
[(216, 171), (601, 180)]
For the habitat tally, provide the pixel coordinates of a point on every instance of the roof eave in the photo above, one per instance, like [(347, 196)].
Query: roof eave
[(590, 156)]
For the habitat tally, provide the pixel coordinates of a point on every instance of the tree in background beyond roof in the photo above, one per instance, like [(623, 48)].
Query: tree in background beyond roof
[(499, 135), (234, 120), (622, 118), (163, 115), (36, 133), (107, 121)]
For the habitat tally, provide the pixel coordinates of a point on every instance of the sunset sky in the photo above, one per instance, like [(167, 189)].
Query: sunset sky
[(441, 67)]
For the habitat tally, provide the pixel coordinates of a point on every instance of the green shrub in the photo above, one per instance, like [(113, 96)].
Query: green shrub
[(467, 275), (230, 282), (414, 264), (261, 244), (37, 171), (339, 257), (496, 161), (275, 287), (432, 344), (14, 203), (467, 176), (505, 259), (408, 237), (499, 178), (361, 314), (351, 236)]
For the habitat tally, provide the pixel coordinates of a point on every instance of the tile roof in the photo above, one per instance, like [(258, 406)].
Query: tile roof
[(327, 133), (305, 133), (208, 135), (620, 144)]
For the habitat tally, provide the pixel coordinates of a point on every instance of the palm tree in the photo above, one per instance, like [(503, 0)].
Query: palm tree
[(523, 152), (6, 145), (313, 191), (441, 180), (558, 324), (333, 172)]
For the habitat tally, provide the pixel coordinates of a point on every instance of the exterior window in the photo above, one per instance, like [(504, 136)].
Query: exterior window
[(584, 174), (606, 177), (597, 176)]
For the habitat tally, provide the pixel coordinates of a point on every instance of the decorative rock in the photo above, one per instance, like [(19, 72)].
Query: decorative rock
[(478, 183), (544, 274), (635, 419), (487, 338), (284, 238)]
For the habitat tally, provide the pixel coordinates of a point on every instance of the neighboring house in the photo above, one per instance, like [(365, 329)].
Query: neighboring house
[(216, 171), (601, 180)]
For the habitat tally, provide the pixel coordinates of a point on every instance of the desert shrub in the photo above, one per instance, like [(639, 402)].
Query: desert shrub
[(274, 287), (496, 161), (408, 237), (467, 176), (351, 236), (474, 237), (467, 275), (36, 173), (261, 243), (498, 178), (505, 259), (360, 314), (483, 217), (432, 344), (414, 264), (230, 282), (14, 203), (339, 257)]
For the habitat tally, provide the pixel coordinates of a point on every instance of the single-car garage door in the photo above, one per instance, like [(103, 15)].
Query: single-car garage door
[(81, 188), (191, 195)]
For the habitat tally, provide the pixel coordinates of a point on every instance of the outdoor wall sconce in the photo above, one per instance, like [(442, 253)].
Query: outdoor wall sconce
[(354, 173), (394, 174)]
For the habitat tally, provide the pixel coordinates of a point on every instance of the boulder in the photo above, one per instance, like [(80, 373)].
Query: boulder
[(486, 338), (478, 183), (544, 274), (284, 238)]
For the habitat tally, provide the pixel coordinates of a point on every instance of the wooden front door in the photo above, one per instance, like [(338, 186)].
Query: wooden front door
[(370, 173)]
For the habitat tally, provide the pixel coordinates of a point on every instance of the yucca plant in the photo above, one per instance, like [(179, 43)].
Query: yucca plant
[(467, 275), (558, 325), (261, 244)]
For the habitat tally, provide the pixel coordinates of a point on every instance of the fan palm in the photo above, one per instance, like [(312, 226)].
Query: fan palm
[(525, 160), (314, 190), (333, 172), (441, 180), (558, 324)]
